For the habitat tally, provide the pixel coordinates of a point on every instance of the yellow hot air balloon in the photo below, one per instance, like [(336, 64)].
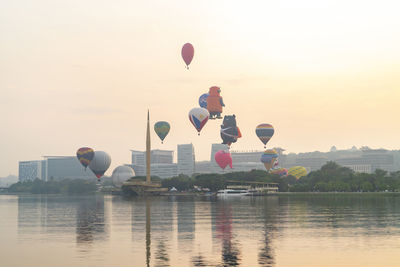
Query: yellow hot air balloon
[(297, 171)]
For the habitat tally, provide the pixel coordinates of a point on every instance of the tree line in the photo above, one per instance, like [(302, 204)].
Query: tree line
[(330, 178), (66, 186)]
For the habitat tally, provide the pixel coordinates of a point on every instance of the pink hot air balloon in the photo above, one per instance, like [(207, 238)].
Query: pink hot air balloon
[(223, 159), (187, 53)]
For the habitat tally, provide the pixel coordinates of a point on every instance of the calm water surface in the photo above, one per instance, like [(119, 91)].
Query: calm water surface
[(285, 230)]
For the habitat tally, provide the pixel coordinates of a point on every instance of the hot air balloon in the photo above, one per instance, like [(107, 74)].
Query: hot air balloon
[(187, 53), (203, 100), (268, 158), (100, 163), (280, 171), (297, 171), (198, 117), (85, 155), (229, 130), (215, 102), (162, 129), (121, 174), (264, 131), (223, 159), (276, 163)]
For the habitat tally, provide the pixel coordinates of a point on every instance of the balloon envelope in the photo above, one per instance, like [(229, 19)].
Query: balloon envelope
[(162, 129), (264, 131), (100, 163), (122, 174), (198, 117), (187, 53), (223, 159), (268, 158), (203, 100), (85, 155), (298, 171), (280, 172)]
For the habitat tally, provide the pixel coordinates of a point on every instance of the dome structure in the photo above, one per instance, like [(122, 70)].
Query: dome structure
[(121, 174)]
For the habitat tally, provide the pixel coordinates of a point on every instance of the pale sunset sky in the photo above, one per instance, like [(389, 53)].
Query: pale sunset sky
[(83, 73)]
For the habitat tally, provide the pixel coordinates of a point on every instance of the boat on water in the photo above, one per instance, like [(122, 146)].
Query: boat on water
[(246, 192), (232, 192)]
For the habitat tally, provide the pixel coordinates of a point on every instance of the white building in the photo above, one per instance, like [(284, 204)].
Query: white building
[(138, 158), (365, 168), (156, 156), (56, 168), (30, 170), (164, 170), (246, 166), (246, 156), (186, 159)]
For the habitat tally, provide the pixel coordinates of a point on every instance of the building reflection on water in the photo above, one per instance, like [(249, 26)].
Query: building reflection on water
[(182, 231), (90, 220), (53, 217), (224, 232)]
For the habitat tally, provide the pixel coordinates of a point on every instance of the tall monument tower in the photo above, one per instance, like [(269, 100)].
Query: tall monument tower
[(148, 148)]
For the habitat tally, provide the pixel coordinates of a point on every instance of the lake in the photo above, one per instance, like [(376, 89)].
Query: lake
[(278, 230)]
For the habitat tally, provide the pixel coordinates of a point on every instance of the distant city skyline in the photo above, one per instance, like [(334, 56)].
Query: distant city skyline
[(84, 73), (362, 159)]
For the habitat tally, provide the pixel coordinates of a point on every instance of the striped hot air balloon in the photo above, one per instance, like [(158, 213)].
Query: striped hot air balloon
[(268, 158), (85, 155), (265, 131)]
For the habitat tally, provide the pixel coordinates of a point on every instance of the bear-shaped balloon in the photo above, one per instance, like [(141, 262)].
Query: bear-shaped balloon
[(229, 130)]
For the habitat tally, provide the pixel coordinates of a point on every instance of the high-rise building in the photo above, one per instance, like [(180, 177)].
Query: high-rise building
[(164, 170), (161, 156), (215, 148), (29, 170), (138, 158), (186, 159), (161, 164), (156, 156), (67, 167), (56, 168)]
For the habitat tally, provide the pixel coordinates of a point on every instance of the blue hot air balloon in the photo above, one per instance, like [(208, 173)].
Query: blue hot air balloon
[(203, 100)]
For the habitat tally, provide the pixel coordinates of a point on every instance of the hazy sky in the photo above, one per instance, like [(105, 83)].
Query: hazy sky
[(83, 73)]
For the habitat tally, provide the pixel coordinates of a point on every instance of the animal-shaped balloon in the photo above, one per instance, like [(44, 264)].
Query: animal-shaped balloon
[(276, 163), (223, 159), (265, 131), (298, 171), (229, 130), (198, 117), (100, 163), (215, 103), (162, 129), (187, 53), (203, 100), (85, 155), (268, 158)]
